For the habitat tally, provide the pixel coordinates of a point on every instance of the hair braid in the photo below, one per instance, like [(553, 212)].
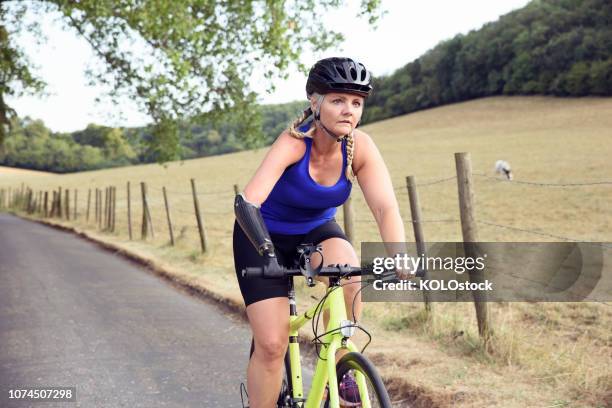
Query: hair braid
[(293, 127), (350, 147)]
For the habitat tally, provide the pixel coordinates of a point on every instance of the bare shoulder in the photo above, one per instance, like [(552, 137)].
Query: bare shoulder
[(291, 145), (363, 149), (289, 148)]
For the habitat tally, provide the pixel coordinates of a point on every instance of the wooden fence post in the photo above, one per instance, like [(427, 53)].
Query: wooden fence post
[(67, 202), (129, 211), (168, 216), (54, 193), (26, 202), (417, 227), (101, 209), (76, 192), (96, 204), (149, 218), (60, 210), (88, 204), (236, 191), (470, 235), (99, 190), (29, 200), (196, 204), (109, 208), (114, 206), (106, 197), (46, 204), (349, 222), (144, 231)]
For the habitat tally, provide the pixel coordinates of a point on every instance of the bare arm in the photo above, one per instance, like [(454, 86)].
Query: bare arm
[(375, 182), (285, 151)]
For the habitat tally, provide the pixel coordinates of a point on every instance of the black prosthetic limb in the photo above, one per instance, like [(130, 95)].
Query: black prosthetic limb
[(250, 220)]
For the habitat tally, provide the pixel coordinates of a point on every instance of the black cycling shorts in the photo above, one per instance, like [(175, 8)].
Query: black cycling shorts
[(285, 247)]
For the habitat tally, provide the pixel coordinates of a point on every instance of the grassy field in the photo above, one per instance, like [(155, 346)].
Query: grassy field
[(12, 171), (543, 355)]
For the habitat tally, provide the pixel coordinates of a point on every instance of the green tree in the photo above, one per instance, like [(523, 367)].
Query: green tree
[(16, 79), (192, 58), (116, 148), (601, 77)]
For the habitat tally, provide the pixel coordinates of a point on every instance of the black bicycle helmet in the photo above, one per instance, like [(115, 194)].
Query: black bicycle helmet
[(339, 75)]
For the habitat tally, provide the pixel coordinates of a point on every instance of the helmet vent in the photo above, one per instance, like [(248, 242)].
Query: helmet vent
[(353, 74), (340, 71)]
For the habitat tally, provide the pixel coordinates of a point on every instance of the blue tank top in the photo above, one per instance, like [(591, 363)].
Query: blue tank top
[(297, 203)]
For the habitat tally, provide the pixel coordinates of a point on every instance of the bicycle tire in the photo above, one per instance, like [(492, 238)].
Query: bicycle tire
[(378, 395)]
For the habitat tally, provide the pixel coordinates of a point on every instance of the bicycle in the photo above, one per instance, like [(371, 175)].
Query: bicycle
[(372, 392)]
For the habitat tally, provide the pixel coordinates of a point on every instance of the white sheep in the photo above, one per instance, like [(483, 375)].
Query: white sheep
[(503, 167)]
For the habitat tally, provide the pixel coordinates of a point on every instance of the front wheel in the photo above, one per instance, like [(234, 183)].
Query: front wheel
[(350, 367)]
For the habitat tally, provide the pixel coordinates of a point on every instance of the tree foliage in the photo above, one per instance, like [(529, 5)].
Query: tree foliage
[(16, 79), (551, 47), (32, 145), (184, 59)]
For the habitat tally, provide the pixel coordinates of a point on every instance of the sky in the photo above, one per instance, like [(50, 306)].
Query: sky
[(405, 32)]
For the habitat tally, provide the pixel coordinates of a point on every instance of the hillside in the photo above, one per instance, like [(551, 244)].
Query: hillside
[(549, 47), (14, 171)]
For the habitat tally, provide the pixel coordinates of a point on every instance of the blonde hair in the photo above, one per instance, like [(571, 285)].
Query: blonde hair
[(294, 131)]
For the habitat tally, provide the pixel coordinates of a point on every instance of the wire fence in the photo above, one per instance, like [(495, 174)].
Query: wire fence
[(150, 213), (181, 202), (543, 184)]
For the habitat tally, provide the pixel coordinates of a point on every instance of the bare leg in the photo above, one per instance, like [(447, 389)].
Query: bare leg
[(269, 320)]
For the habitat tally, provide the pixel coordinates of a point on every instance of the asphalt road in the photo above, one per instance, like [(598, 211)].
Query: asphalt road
[(72, 314)]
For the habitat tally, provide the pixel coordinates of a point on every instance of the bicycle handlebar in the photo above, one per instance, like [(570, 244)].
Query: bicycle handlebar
[(273, 270), (282, 272), (337, 271)]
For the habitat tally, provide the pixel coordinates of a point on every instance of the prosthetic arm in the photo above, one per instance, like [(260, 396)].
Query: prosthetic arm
[(250, 220)]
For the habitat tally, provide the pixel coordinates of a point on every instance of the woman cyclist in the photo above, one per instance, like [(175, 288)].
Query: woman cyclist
[(292, 199)]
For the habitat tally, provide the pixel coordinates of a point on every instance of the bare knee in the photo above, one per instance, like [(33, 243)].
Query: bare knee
[(271, 350), (352, 288), (269, 320)]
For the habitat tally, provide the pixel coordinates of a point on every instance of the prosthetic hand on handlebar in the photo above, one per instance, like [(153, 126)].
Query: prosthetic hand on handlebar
[(248, 216)]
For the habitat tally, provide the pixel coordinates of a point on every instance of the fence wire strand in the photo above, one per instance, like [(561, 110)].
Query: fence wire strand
[(541, 184), (545, 234)]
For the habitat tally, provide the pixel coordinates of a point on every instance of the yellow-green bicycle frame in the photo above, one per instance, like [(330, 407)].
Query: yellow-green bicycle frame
[(325, 368)]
